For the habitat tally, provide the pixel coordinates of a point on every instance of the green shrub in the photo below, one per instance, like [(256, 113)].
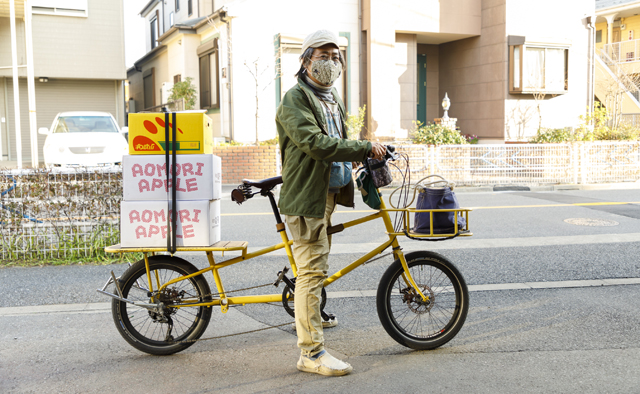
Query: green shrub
[(553, 136), (622, 133), (355, 123), (184, 90), (435, 134), (593, 127)]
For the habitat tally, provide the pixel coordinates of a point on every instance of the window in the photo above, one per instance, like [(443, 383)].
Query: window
[(85, 124), (535, 68), (154, 32), (598, 36), (177, 5), (209, 84), (177, 78), (60, 7), (189, 7), (149, 92), (171, 19)]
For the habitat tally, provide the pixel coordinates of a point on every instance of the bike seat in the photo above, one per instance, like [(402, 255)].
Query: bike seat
[(267, 184)]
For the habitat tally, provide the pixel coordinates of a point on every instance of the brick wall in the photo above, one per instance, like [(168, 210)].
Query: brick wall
[(248, 162)]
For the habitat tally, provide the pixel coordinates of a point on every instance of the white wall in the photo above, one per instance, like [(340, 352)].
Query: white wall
[(565, 24), (255, 24)]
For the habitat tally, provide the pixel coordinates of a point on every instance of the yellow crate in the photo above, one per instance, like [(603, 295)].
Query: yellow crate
[(194, 133)]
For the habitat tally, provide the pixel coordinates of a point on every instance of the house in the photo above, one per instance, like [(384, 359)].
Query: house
[(68, 56), (618, 58), (508, 66)]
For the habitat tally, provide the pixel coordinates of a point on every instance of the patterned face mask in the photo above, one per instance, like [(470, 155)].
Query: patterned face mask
[(326, 71)]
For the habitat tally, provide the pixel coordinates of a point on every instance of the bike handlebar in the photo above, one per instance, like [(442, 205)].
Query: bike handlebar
[(390, 154)]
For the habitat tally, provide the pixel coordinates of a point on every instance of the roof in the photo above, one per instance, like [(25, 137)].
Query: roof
[(147, 7), (603, 4), (193, 24)]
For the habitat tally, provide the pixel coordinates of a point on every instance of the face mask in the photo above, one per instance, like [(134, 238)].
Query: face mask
[(325, 71)]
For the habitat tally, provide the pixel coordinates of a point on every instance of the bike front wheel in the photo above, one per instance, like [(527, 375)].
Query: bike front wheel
[(170, 329), (419, 324)]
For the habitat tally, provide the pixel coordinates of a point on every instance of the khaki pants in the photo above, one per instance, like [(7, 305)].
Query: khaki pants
[(311, 246)]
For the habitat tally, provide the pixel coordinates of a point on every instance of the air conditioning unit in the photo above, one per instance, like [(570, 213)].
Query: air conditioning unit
[(165, 92)]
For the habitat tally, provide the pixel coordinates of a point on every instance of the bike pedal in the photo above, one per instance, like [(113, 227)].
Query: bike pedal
[(281, 276)]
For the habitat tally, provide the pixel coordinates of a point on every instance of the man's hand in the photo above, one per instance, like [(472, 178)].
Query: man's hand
[(377, 151)]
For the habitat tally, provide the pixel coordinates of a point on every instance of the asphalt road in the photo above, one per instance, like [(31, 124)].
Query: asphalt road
[(553, 309)]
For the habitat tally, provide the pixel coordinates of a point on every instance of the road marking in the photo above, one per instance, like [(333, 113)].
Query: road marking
[(105, 307), (473, 243), (578, 204)]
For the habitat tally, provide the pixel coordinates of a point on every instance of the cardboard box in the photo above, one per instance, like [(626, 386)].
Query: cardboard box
[(199, 177), (194, 133), (144, 223)]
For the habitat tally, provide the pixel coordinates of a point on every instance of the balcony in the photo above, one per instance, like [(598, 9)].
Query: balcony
[(623, 51)]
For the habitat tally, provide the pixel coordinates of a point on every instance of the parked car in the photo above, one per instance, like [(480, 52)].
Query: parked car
[(84, 139)]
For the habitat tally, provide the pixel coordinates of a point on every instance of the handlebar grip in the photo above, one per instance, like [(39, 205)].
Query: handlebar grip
[(390, 154)]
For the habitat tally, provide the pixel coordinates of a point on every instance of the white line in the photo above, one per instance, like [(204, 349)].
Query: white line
[(480, 243), (104, 307)]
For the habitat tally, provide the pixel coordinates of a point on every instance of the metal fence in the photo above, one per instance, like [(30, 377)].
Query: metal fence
[(623, 51), (45, 214), (51, 214), (526, 164)]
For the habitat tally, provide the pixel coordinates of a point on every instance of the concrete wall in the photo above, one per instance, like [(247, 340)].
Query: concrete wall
[(5, 47), (405, 93), (473, 74), (423, 22), (254, 16), (72, 47)]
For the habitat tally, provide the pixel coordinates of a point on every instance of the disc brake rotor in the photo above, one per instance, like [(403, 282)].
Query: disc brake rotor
[(414, 301)]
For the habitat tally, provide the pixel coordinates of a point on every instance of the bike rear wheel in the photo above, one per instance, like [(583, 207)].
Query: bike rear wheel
[(419, 324), (173, 329)]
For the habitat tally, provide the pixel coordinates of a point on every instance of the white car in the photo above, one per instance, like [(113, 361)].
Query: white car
[(84, 139)]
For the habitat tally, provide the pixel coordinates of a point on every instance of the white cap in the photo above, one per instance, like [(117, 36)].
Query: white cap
[(320, 38)]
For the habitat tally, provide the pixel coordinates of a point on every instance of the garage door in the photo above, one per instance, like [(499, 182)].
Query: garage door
[(52, 97)]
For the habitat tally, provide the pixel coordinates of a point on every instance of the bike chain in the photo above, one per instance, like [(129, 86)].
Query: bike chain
[(239, 333), (266, 303)]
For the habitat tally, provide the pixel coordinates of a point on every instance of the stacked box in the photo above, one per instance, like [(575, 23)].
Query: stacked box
[(194, 134), (146, 204)]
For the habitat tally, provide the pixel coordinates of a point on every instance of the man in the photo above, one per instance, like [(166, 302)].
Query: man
[(316, 158)]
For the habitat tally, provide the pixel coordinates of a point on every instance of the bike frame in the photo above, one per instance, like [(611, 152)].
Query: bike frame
[(224, 300)]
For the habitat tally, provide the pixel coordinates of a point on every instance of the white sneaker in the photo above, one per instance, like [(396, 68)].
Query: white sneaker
[(332, 322), (325, 364), (325, 323)]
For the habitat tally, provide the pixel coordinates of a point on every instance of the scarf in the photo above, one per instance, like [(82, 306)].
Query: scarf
[(322, 92)]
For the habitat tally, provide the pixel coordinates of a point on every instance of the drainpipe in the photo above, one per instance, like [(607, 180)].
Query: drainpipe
[(591, 70), (227, 20), (33, 120), (16, 85)]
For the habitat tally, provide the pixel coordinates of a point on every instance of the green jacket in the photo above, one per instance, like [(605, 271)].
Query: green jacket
[(307, 152)]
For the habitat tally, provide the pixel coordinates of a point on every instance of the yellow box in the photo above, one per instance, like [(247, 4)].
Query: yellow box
[(194, 133)]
